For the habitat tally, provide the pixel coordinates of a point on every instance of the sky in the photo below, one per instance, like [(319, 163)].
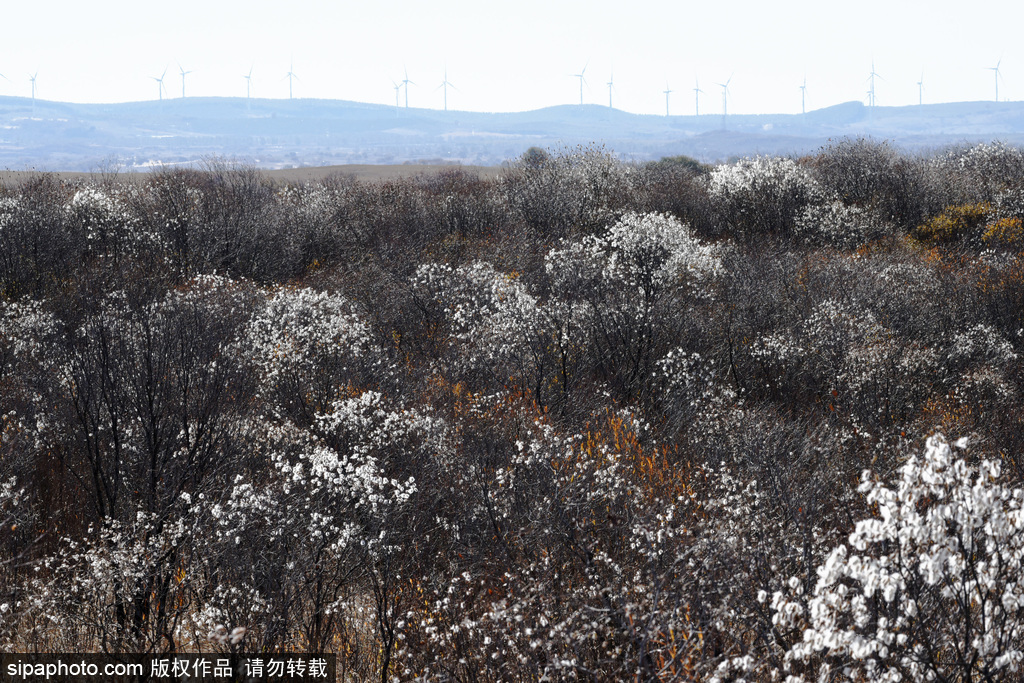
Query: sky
[(521, 55)]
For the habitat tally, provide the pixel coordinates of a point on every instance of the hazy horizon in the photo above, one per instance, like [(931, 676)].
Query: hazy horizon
[(517, 57)]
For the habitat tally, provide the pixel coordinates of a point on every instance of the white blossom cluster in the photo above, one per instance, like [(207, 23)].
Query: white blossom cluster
[(763, 194), (979, 172), (569, 188), (25, 327), (111, 228), (491, 313), (929, 588), (642, 254), (304, 341), (836, 224)]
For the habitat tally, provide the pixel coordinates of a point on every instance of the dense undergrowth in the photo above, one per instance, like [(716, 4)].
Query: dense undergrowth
[(588, 420)]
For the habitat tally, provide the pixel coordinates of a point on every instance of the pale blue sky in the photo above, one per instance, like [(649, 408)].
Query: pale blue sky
[(513, 56)]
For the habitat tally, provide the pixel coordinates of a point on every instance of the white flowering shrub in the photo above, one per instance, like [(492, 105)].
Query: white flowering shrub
[(309, 211), (979, 173), (828, 343), (876, 177), (25, 330), (566, 191), (11, 495), (927, 588), (499, 334), (331, 512), (596, 572), (697, 393), (111, 227), (643, 270), (309, 348), (490, 313), (762, 195), (122, 585), (38, 246), (835, 224)]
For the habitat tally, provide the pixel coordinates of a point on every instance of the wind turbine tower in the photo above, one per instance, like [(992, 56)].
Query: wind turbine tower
[(582, 80), (398, 89), (803, 97), (32, 78), (444, 84), (406, 82), (920, 90), (160, 85), (668, 91), (610, 84), (290, 75), (871, 90), (696, 97), (248, 87), (183, 74), (995, 72), (725, 99)]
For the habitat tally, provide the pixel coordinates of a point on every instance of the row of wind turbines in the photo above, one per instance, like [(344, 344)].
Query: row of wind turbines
[(291, 76), (667, 92), (445, 84), (803, 89)]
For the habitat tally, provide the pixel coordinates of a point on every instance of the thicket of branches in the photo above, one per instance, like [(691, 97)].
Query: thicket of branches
[(588, 420)]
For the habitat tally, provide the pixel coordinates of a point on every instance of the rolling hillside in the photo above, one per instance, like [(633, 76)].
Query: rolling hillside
[(276, 134)]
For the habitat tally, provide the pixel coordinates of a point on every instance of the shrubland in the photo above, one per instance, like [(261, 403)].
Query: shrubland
[(589, 420)]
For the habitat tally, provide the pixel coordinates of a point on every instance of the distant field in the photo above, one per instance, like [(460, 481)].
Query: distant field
[(360, 171)]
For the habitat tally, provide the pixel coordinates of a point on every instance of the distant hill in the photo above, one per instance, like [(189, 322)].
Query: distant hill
[(279, 134)]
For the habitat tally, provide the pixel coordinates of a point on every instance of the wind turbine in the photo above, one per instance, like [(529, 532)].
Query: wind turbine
[(995, 70), (803, 97), (871, 90), (725, 97), (160, 84), (248, 83), (667, 91), (920, 90), (445, 84), (582, 80), (696, 97), (290, 76), (406, 82), (183, 74), (398, 88), (32, 78), (610, 84)]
